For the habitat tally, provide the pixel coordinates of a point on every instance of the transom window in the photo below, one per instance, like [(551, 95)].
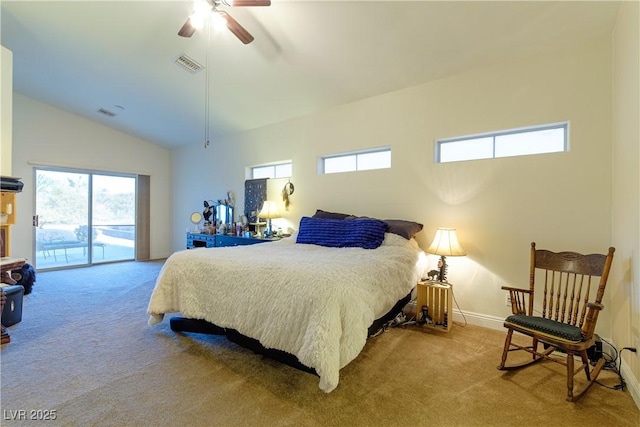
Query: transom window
[(379, 158), (276, 170), (551, 138)]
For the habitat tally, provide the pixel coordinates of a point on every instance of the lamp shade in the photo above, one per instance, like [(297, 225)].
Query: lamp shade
[(269, 210), (446, 243)]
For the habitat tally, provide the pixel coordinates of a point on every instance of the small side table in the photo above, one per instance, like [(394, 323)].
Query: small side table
[(437, 296)]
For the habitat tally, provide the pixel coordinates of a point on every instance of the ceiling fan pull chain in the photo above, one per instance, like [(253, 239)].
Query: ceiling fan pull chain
[(207, 89)]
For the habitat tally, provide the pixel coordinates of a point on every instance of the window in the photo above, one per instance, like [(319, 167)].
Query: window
[(278, 170), (356, 161), (552, 138)]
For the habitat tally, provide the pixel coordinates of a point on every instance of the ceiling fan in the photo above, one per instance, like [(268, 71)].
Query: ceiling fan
[(204, 9)]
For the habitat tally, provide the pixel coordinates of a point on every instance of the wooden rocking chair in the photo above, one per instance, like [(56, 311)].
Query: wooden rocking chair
[(570, 298)]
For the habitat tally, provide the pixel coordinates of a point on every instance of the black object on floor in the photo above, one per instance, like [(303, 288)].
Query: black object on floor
[(12, 312)]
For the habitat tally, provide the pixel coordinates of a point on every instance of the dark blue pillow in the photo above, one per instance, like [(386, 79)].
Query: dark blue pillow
[(330, 215), (337, 233)]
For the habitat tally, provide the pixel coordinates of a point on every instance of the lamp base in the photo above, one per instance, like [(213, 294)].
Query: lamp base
[(442, 265)]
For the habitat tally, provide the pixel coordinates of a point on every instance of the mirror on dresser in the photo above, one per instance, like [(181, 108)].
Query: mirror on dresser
[(224, 213), (219, 214)]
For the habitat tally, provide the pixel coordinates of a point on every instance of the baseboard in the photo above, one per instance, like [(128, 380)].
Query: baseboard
[(493, 322), (631, 381), (479, 319)]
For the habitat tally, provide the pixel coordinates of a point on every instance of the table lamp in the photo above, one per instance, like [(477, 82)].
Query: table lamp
[(445, 244), (269, 211)]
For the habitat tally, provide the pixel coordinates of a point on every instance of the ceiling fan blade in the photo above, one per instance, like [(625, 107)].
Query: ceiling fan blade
[(236, 28), (243, 3), (187, 29)]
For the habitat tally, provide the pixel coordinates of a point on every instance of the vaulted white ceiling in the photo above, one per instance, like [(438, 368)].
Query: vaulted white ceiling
[(308, 56)]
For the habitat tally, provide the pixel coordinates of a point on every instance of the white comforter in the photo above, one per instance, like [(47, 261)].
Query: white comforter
[(311, 301)]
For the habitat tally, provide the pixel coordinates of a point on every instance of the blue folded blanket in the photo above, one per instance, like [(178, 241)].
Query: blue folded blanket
[(364, 233)]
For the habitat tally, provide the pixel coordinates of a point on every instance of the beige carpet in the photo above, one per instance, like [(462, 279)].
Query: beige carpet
[(84, 350)]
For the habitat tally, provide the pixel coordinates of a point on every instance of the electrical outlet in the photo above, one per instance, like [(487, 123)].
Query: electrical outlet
[(507, 300)]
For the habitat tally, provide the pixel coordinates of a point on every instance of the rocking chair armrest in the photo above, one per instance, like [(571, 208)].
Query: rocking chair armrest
[(589, 325), (509, 288), (595, 306), (519, 300)]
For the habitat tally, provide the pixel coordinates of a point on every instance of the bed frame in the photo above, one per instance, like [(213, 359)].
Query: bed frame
[(184, 324)]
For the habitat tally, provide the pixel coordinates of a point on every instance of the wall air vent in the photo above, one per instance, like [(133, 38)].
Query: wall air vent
[(106, 112), (188, 64)]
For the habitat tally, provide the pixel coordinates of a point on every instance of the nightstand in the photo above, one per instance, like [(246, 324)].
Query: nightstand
[(437, 296)]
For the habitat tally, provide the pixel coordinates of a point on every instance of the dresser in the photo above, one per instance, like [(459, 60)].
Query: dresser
[(198, 240)]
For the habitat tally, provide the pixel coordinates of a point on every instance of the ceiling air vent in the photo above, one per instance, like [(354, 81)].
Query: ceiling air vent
[(106, 112), (188, 64)]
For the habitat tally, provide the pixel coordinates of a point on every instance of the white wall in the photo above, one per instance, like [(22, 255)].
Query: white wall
[(625, 276), (45, 135), (562, 201), (6, 112)]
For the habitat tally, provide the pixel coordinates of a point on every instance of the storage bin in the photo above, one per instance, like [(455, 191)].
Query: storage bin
[(12, 312)]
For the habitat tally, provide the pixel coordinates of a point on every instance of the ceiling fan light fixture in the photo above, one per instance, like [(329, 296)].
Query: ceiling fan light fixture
[(218, 22), (201, 7), (201, 11), (197, 21)]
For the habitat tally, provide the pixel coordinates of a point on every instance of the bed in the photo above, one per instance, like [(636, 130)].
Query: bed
[(308, 295)]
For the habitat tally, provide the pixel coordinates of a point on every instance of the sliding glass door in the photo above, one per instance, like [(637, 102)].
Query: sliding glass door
[(113, 217), (82, 218)]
